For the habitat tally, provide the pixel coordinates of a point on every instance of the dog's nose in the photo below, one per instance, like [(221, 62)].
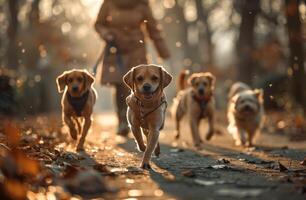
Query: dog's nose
[(247, 107), (75, 88), (201, 91), (147, 87)]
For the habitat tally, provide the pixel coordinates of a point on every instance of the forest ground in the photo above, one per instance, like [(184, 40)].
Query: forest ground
[(219, 170)]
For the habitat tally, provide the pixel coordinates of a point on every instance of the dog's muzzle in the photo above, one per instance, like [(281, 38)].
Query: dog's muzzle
[(146, 88), (248, 108), (201, 91), (147, 91), (75, 88)]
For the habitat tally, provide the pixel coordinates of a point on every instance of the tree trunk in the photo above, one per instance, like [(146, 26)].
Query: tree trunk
[(207, 34), (34, 14), (32, 55), (246, 66), (11, 54), (296, 63)]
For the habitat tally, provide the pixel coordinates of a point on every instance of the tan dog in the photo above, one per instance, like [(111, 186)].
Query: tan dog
[(245, 113), (147, 106), (197, 102), (77, 102)]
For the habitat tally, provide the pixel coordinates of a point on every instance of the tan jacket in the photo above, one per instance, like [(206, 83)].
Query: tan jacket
[(126, 21)]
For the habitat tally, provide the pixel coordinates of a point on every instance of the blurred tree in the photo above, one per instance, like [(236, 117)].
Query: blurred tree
[(11, 54), (34, 13), (246, 40), (191, 50), (34, 33), (203, 19), (297, 68)]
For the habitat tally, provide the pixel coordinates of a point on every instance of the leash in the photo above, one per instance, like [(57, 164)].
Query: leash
[(144, 115), (105, 53)]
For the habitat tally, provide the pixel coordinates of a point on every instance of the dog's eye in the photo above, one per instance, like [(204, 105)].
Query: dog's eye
[(196, 84), (154, 78), (139, 78), (205, 84), (79, 79), (70, 80)]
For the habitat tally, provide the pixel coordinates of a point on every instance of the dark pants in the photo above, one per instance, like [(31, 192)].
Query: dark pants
[(121, 92)]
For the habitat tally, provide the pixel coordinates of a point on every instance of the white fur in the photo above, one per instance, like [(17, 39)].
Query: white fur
[(245, 113)]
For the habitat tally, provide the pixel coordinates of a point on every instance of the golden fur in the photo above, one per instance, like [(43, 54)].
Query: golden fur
[(76, 83), (196, 102), (147, 106)]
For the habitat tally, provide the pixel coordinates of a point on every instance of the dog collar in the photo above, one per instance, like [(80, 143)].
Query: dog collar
[(78, 103)]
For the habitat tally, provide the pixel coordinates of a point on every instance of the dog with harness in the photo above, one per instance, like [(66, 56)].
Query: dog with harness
[(78, 100), (196, 102), (147, 106)]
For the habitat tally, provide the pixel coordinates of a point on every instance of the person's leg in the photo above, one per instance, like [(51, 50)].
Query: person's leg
[(121, 92)]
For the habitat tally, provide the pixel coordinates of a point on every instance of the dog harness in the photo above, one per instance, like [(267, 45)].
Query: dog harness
[(78, 103), (143, 114), (202, 103), (138, 107)]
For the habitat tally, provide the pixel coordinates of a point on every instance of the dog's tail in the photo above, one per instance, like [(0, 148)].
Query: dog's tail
[(182, 80)]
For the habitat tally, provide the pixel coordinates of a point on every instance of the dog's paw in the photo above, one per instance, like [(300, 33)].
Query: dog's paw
[(157, 151), (80, 147), (146, 166), (209, 135), (73, 134), (141, 148), (249, 144), (197, 145), (177, 136), (238, 143)]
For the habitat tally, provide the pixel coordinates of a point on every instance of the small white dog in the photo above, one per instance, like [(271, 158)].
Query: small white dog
[(245, 113)]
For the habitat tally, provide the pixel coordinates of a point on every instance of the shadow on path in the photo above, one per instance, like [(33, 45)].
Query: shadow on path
[(189, 174)]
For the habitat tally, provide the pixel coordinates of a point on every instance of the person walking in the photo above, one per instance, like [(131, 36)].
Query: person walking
[(123, 24)]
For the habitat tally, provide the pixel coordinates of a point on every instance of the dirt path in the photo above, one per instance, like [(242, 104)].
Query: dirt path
[(217, 171)]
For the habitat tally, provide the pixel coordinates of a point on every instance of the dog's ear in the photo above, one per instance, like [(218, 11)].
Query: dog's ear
[(89, 79), (166, 77), (128, 78), (191, 79), (211, 78), (61, 82), (259, 94)]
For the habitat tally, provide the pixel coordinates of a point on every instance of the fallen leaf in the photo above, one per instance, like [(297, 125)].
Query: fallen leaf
[(223, 161), (176, 150), (239, 192), (25, 164), (282, 168), (188, 173), (207, 183), (15, 189), (101, 168), (87, 184), (12, 133), (303, 162)]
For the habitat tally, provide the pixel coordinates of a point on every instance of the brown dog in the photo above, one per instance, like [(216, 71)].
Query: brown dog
[(147, 106), (197, 102), (77, 102)]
